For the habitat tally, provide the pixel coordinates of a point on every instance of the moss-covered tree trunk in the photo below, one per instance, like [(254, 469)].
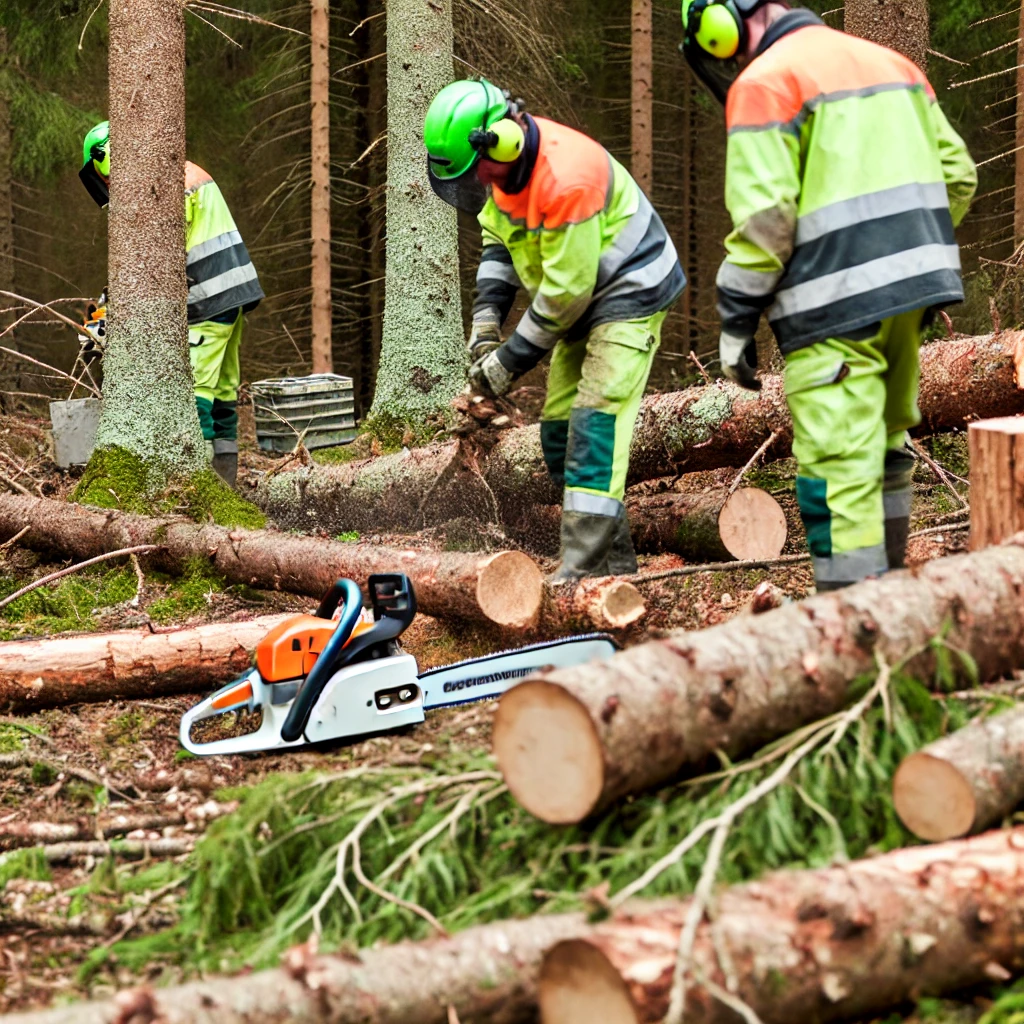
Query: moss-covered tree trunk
[(422, 352), (148, 406), (901, 25)]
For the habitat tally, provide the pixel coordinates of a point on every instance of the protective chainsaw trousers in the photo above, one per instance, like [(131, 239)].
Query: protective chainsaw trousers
[(214, 354), (852, 402), (594, 392)]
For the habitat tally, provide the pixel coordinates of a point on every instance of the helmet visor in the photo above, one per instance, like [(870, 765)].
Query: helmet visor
[(95, 184), (716, 74), (466, 192)]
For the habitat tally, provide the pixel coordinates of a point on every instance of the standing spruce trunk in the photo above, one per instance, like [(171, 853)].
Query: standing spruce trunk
[(149, 419), (902, 25), (1018, 190), (320, 175), (422, 351), (642, 77), (6, 198)]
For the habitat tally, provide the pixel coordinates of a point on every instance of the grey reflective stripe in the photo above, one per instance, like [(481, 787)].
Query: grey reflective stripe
[(592, 504), (222, 446), (886, 203), (851, 566), (632, 234), (731, 348), (537, 335), (487, 315), (212, 245), (864, 278), (647, 276), (493, 270), (896, 504), (222, 283), (747, 282)]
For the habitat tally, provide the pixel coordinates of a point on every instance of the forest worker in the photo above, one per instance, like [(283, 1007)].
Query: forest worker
[(222, 286), (844, 181), (565, 221)]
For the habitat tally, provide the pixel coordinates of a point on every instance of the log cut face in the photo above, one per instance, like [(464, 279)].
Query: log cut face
[(964, 782), (638, 719), (811, 946)]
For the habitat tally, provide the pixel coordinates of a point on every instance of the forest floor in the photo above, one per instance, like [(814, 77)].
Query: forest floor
[(87, 925)]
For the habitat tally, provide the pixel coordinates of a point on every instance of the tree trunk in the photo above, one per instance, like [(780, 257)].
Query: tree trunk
[(997, 480), (126, 665), (423, 349), (604, 603), (1018, 190), (844, 943), (320, 175), (573, 741), (148, 407), (965, 782), (504, 589), (711, 526), (484, 974), (642, 79), (902, 25), (6, 198)]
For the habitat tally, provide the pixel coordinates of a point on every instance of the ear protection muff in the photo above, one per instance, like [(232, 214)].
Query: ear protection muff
[(503, 141), (717, 27)]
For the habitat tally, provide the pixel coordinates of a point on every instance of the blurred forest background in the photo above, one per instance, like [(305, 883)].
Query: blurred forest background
[(249, 126)]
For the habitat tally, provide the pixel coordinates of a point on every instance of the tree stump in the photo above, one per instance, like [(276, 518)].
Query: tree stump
[(997, 479)]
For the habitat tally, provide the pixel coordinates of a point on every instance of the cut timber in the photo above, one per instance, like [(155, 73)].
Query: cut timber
[(997, 479), (504, 589), (126, 665), (572, 741), (712, 526), (843, 943), (964, 782), (483, 974), (603, 603)]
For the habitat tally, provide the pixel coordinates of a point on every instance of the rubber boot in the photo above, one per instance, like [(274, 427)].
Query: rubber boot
[(896, 533), (225, 460), (587, 542), (622, 557)]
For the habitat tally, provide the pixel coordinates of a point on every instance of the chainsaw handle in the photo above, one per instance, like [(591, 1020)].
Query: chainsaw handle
[(314, 683), (330, 601)]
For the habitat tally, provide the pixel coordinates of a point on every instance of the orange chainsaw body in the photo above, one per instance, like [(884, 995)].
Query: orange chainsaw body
[(289, 651)]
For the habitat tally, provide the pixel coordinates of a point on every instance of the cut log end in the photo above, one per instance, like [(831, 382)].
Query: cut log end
[(932, 798), (578, 985), (622, 605), (541, 733), (510, 589), (752, 525)]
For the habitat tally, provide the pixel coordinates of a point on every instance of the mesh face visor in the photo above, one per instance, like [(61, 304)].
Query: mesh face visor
[(95, 184), (716, 75), (466, 192)]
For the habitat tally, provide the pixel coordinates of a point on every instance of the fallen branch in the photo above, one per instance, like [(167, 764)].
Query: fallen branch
[(122, 849)]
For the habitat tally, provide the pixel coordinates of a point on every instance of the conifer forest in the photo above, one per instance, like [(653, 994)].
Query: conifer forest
[(537, 537)]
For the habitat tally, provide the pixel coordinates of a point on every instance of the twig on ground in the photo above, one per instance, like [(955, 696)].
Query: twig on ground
[(129, 849), (140, 580), (8, 544), (26, 759), (943, 476), (700, 366), (13, 723), (21, 489), (752, 460), (51, 924), (143, 910)]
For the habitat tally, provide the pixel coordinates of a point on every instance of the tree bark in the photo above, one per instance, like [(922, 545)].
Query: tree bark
[(573, 741), (710, 526), (902, 25), (642, 85), (6, 198), (1018, 181), (997, 480), (604, 603), (964, 782), (320, 181), (148, 406), (423, 348), (503, 589), (126, 665), (487, 973), (842, 943)]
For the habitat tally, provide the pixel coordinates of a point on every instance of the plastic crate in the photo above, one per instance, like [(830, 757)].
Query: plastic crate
[(320, 408)]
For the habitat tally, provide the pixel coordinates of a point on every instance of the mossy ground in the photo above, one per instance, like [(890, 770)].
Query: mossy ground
[(381, 435)]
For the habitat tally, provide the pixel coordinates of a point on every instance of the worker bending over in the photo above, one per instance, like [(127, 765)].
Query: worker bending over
[(222, 285), (565, 221), (844, 181)]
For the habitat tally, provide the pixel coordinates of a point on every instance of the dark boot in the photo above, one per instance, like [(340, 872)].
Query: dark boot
[(622, 557), (225, 460), (897, 530), (848, 567), (587, 542), (896, 496)]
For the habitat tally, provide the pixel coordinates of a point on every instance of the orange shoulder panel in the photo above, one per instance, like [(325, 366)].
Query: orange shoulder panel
[(810, 63), (195, 176)]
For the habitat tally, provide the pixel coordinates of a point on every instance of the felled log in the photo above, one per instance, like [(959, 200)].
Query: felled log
[(125, 665), (836, 944), (997, 479), (964, 782), (603, 603), (505, 588), (122, 849), (487, 973), (574, 740)]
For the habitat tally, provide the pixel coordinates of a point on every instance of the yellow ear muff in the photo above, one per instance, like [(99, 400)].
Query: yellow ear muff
[(510, 142), (719, 31)]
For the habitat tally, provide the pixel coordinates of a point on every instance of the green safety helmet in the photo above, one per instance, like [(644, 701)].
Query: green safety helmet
[(95, 172), (467, 120), (715, 33)]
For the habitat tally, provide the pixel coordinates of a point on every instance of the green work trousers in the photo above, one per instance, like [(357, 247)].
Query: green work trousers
[(213, 350), (594, 392), (852, 402)]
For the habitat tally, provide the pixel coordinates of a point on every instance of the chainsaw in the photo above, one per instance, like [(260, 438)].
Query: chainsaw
[(341, 675), (92, 344)]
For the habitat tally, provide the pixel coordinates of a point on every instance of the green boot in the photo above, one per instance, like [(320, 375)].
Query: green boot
[(622, 557), (587, 542), (225, 460)]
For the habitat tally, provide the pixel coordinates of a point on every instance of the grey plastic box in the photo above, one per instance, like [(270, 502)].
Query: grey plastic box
[(74, 430), (321, 405)]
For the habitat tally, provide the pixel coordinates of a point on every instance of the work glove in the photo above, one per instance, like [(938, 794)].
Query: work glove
[(488, 377), (484, 338), (739, 360)]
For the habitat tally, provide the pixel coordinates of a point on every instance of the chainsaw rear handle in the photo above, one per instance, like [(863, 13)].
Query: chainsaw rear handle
[(314, 683)]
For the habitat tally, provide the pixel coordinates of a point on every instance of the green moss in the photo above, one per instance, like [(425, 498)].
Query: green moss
[(27, 864), (114, 478), (126, 729), (11, 739), (950, 451), (43, 774), (348, 537), (207, 497), (189, 594), (340, 454), (393, 433)]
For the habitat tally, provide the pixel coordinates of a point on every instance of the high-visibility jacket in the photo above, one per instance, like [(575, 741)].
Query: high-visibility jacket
[(221, 277), (582, 239), (844, 181)]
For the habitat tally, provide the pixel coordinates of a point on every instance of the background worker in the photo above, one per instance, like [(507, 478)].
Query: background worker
[(222, 286), (565, 221), (844, 181)]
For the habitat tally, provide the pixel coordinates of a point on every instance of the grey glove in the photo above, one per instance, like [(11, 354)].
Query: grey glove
[(484, 338), (488, 377), (739, 360)]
